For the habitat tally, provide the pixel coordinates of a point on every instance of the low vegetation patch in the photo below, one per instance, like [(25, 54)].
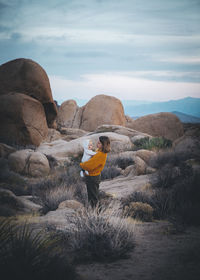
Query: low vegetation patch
[(110, 172), (169, 157), (140, 211), (153, 143), (67, 185), (175, 190), (100, 235), (28, 255), (115, 166)]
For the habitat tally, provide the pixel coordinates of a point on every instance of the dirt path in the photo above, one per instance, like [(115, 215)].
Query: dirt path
[(158, 255)]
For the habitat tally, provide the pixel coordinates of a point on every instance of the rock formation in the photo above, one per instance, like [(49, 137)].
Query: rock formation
[(23, 120), (167, 125), (101, 109), (67, 113), (27, 77), (29, 162)]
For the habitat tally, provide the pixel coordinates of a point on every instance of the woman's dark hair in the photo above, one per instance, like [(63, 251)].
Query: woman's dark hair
[(105, 141)]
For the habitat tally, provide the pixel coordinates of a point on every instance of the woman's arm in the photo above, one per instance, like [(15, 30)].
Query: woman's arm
[(96, 161)]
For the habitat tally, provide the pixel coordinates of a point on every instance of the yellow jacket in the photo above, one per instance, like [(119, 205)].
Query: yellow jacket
[(95, 164)]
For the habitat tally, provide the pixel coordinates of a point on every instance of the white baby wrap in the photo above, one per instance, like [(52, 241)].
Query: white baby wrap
[(87, 154)]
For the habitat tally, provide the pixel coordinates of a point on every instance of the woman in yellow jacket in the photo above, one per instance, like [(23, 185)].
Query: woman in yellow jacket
[(94, 166)]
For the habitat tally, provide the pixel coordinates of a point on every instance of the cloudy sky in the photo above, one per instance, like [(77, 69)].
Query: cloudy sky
[(130, 49)]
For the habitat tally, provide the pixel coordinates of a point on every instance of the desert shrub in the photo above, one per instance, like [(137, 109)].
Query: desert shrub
[(28, 255), (51, 198), (186, 199), (110, 172), (123, 162), (168, 175), (139, 210), (105, 199), (153, 143), (114, 165), (143, 197), (161, 201), (181, 200), (119, 161), (169, 157), (70, 175), (100, 235), (65, 185), (50, 194), (175, 191)]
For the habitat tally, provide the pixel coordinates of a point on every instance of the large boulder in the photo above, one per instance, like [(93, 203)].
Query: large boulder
[(62, 150), (61, 219), (138, 168), (23, 120), (67, 113), (121, 187), (29, 162), (145, 155), (69, 134), (121, 130), (102, 109), (166, 125), (53, 135), (38, 165), (10, 204), (17, 161), (28, 77)]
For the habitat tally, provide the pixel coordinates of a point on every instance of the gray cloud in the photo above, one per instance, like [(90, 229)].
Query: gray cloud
[(75, 37)]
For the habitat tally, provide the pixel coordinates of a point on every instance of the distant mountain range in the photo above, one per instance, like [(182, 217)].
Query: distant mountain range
[(182, 117), (188, 106), (186, 118)]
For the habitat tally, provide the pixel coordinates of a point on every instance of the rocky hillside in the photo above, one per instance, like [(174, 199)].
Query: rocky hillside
[(151, 175)]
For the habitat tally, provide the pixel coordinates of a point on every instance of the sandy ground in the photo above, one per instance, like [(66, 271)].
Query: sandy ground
[(160, 254)]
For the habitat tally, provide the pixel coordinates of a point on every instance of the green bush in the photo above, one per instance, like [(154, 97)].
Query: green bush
[(153, 143), (28, 255), (139, 210)]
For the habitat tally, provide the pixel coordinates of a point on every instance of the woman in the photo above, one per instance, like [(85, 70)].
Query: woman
[(94, 166)]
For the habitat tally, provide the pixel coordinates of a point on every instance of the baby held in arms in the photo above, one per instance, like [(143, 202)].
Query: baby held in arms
[(87, 154)]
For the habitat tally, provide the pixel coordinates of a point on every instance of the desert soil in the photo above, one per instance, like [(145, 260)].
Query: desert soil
[(161, 253)]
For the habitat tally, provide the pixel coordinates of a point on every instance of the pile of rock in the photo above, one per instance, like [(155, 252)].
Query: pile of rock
[(27, 106)]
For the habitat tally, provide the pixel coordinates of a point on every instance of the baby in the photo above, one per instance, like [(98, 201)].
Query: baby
[(87, 154)]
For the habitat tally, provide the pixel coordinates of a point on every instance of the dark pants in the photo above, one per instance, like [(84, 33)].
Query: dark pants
[(92, 183)]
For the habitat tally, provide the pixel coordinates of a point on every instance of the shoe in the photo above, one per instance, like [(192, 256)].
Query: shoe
[(81, 174)]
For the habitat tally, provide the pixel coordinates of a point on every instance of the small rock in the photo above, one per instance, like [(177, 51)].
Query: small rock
[(72, 204)]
